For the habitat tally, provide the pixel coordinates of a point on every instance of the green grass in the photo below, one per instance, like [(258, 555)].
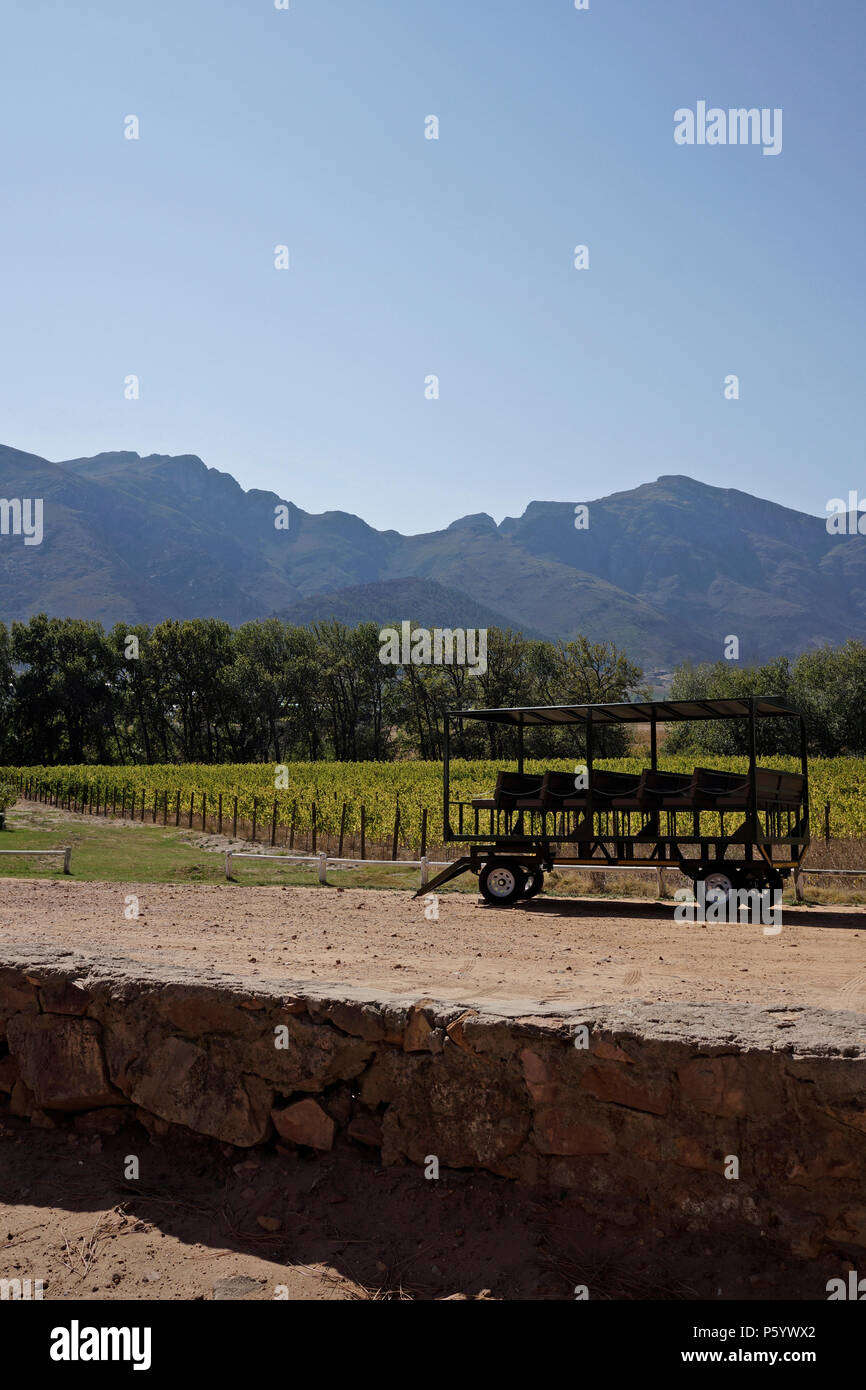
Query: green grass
[(131, 852), (134, 853)]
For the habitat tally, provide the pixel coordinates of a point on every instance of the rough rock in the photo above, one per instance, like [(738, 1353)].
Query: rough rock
[(9, 1073), (234, 1287), (203, 1090), (305, 1122), (61, 1061)]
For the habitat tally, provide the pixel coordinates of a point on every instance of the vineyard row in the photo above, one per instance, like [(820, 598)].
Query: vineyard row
[(383, 804)]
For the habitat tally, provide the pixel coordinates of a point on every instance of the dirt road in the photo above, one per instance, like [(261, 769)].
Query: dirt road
[(551, 950)]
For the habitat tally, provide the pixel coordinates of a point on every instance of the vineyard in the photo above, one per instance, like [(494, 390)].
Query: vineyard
[(394, 803)]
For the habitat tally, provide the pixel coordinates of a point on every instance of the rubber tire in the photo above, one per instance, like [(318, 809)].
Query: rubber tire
[(710, 871), (501, 867), (761, 879), (713, 871), (534, 883)]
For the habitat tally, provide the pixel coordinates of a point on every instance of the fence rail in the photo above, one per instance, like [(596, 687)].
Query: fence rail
[(67, 854), (323, 860)]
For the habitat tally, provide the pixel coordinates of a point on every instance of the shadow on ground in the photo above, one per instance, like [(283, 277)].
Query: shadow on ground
[(204, 1221)]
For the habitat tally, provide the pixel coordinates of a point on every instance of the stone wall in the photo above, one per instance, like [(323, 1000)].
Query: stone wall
[(642, 1122)]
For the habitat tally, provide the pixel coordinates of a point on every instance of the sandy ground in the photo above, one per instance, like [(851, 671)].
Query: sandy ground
[(206, 1223), (549, 950)]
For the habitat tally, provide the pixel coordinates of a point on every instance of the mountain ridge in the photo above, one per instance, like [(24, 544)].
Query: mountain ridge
[(668, 570)]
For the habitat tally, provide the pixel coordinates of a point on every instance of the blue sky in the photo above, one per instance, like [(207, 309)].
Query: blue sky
[(410, 256)]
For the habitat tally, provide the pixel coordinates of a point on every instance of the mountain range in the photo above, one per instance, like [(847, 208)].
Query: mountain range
[(667, 570)]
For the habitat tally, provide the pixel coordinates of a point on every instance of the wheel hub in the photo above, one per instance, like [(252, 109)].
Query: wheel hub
[(717, 886), (501, 882)]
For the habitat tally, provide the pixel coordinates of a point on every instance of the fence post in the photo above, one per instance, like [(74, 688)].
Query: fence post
[(323, 865), (67, 855), (342, 831), (132, 806), (827, 823), (313, 819), (191, 807), (235, 821), (423, 853), (204, 810), (155, 806), (363, 832), (798, 886), (292, 831), (220, 815), (274, 824), (177, 808), (228, 863), (424, 873), (255, 813), (396, 830), (165, 807)]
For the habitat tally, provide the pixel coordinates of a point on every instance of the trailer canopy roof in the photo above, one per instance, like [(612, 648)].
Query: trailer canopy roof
[(668, 711)]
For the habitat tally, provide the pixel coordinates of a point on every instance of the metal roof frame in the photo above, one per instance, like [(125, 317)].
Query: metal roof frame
[(633, 712)]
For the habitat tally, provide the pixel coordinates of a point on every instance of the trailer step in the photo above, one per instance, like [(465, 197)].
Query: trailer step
[(452, 871)]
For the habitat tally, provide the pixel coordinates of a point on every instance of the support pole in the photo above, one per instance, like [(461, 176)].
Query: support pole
[(589, 819), (446, 785), (804, 762), (753, 778)]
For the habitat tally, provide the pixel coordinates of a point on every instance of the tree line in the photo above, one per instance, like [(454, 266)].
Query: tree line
[(200, 691), (827, 685)]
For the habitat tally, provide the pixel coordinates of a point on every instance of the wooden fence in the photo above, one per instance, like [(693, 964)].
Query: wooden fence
[(219, 816)]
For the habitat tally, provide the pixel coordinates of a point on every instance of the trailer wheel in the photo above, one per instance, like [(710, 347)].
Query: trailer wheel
[(534, 883), (759, 879), (717, 884), (502, 882)]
